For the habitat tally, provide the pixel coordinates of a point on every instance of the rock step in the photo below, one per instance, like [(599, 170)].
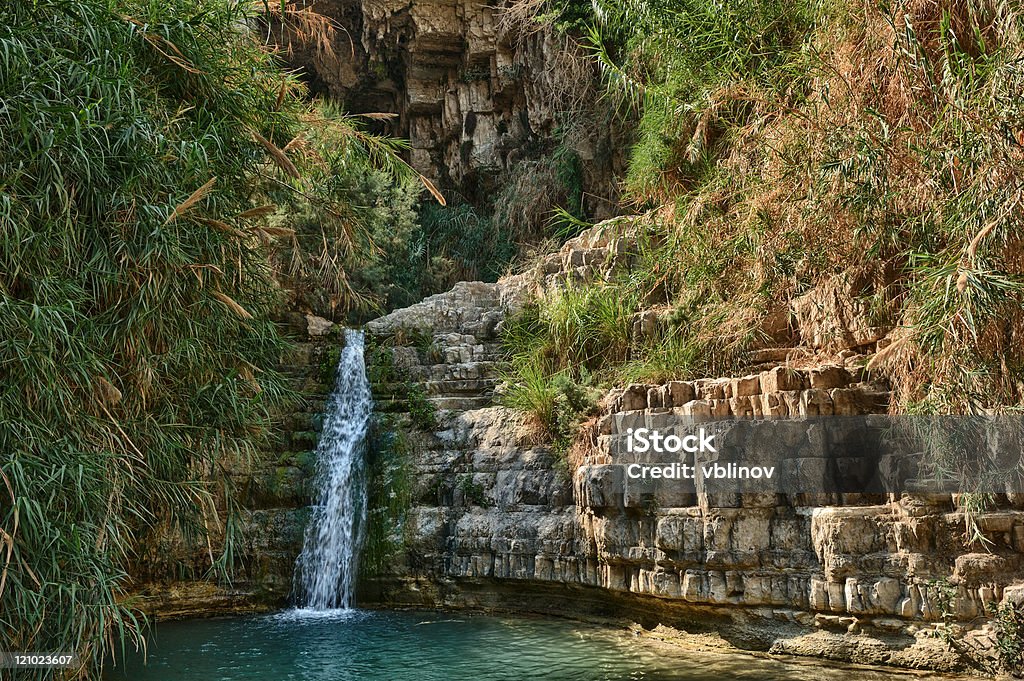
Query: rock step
[(472, 308), (774, 355), (462, 403), (389, 406), (461, 387), (779, 380), (451, 372)]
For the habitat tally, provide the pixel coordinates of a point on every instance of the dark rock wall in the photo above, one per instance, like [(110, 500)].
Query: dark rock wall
[(473, 90)]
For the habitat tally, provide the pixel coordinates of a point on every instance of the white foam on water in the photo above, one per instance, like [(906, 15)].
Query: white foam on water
[(311, 615)]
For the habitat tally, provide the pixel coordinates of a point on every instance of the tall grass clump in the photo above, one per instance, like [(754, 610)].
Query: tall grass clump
[(559, 350), (928, 171), (149, 170), (588, 326), (783, 145), (458, 243), (689, 70)]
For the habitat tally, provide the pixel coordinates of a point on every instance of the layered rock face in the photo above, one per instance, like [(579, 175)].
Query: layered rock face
[(459, 370), (474, 88), (498, 520)]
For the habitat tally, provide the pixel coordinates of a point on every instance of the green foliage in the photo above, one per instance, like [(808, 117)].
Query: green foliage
[(421, 410), (792, 142), (972, 505), (328, 365), (690, 68), (944, 595), (152, 161), (536, 191), (455, 243), (545, 378), (587, 326), (569, 171), (131, 324), (571, 17), (389, 495), (594, 333), (530, 389), (556, 402), (394, 385), (692, 72), (473, 492), (537, 198), (1009, 624), (672, 355), (341, 234), (573, 402), (932, 178), (380, 365)]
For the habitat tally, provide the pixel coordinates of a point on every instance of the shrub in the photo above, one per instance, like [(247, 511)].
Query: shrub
[(1009, 621), (421, 410), (340, 250), (588, 326), (473, 492), (692, 68), (530, 389)]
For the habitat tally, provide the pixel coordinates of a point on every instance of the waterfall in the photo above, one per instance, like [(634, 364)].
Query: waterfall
[(326, 569)]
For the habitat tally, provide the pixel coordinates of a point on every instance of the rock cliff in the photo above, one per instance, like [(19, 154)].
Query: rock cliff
[(485, 514), (496, 519), (476, 89)]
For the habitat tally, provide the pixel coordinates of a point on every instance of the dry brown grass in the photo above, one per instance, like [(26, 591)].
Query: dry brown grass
[(302, 24), (518, 18)]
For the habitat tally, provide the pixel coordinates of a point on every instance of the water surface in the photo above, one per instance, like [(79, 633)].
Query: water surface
[(441, 646)]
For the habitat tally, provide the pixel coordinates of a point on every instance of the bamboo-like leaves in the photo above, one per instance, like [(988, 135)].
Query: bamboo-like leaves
[(119, 298), (434, 191), (259, 211)]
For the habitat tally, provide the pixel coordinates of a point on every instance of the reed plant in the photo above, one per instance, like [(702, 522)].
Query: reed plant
[(782, 144), (151, 165)]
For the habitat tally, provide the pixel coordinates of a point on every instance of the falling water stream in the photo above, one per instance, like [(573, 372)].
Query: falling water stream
[(325, 571)]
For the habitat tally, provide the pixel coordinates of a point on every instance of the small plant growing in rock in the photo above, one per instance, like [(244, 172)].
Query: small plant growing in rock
[(428, 350), (421, 410), (380, 365), (473, 492), (389, 494), (944, 595), (572, 403), (475, 73), (1009, 624), (328, 365)]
